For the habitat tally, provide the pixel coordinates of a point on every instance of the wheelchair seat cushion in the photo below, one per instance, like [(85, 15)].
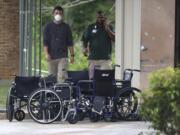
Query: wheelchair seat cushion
[(25, 85)]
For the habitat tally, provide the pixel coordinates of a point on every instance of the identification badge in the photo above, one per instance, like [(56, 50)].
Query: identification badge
[(94, 30)]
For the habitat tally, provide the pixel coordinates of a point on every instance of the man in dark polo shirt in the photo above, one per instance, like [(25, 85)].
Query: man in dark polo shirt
[(97, 43), (57, 41)]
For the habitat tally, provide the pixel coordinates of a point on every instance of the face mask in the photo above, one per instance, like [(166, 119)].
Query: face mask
[(57, 18)]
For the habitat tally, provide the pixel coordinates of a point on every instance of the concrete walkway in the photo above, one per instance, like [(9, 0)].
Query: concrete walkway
[(29, 127)]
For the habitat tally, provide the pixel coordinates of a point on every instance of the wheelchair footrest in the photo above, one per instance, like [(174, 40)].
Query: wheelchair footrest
[(98, 104)]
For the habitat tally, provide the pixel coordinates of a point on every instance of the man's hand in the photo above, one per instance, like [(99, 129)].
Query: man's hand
[(48, 57), (106, 25), (71, 59), (109, 31)]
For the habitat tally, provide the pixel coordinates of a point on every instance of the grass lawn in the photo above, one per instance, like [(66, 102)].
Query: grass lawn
[(3, 95)]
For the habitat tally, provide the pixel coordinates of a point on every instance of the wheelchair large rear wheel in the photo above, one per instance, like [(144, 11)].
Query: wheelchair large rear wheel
[(10, 105), (44, 106), (126, 104)]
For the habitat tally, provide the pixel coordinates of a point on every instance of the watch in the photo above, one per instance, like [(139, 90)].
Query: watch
[(72, 55)]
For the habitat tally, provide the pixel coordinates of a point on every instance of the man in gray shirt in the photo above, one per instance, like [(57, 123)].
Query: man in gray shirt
[(57, 41)]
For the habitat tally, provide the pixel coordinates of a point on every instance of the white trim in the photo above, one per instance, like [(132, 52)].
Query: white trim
[(128, 36), (136, 40), (119, 29)]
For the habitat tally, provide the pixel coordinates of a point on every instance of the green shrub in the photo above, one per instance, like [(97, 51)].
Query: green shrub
[(161, 102)]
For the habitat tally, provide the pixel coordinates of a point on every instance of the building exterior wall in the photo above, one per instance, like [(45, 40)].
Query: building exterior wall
[(157, 36), (9, 38), (127, 48)]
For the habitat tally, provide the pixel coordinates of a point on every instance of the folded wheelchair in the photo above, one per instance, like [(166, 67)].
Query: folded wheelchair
[(18, 96)]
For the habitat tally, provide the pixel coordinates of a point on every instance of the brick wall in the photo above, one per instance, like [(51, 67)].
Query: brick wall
[(9, 38)]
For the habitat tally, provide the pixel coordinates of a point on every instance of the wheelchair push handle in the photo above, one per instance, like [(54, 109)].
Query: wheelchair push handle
[(116, 65), (97, 67)]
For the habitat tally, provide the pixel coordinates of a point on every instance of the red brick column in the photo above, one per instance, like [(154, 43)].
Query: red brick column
[(9, 38)]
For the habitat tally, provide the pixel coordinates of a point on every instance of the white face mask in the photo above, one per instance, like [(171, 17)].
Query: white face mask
[(58, 18)]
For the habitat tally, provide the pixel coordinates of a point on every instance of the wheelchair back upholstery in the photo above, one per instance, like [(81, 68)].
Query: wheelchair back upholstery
[(64, 91), (24, 86), (103, 82), (127, 77), (75, 76)]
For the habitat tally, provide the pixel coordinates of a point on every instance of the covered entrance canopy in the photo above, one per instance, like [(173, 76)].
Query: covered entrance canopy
[(127, 45)]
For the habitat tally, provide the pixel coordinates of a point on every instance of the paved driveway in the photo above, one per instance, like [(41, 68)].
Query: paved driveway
[(29, 127)]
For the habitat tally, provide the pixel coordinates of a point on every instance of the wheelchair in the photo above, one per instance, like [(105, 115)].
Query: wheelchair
[(44, 99), (57, 101), (18, 95), (113, 99)]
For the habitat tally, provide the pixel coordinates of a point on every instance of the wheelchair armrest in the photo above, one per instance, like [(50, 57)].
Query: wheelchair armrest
[(85, 82), (64, 84), (69, 79), (13, 83), (121, 81)]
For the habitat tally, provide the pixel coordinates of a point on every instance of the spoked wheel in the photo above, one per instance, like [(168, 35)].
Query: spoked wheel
[(126, 104), (44, 106), (10, 105), (19, 115)]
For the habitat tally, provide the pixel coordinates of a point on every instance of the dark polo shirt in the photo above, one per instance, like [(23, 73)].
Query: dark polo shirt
[(57, 37), (99, 42)]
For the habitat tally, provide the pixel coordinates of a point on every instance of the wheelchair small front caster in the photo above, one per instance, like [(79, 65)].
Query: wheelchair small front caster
[(94, 117), (110, 119), (19, 115), (72, 118), (81, 115)]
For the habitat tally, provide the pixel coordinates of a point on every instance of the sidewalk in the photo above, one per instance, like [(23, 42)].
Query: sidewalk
[(29, 127)]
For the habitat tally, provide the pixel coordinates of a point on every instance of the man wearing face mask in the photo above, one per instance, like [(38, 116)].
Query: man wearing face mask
[(57, 41), (97, 43)]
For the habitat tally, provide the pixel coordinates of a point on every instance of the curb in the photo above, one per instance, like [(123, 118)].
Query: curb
[(2, 116)]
